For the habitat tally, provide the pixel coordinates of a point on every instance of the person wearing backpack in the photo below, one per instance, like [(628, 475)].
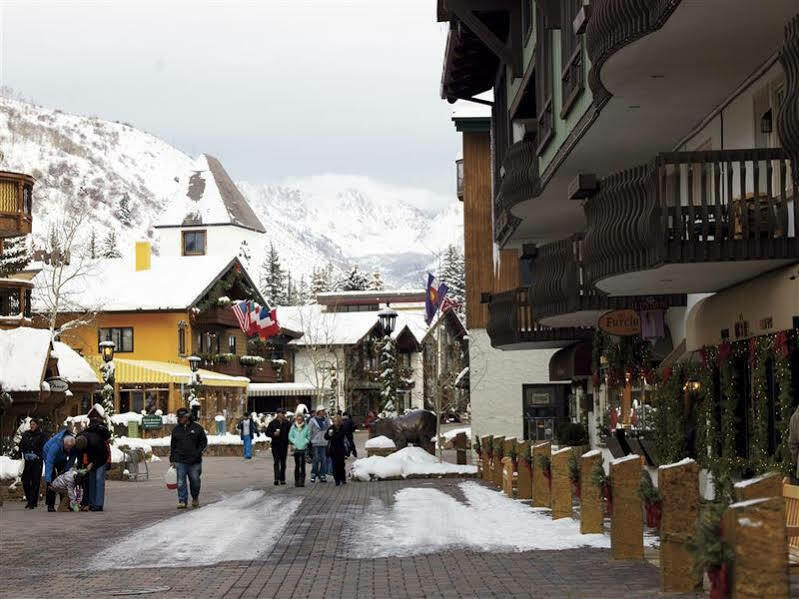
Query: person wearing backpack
[(300, 439), (97, 455)]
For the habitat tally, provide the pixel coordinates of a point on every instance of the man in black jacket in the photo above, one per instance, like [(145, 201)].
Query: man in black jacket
[(186, 455), (31, 446), (278, 431)]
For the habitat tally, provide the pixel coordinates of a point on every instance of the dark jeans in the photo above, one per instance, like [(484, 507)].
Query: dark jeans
[(31, 480), (97, 486), (299, 466), (193, 472), (49, 497), (279, 455), (339, 474)]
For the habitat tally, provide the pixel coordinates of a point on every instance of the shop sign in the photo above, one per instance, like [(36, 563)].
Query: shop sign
[(151, 421), (58, 384), (623, 323)]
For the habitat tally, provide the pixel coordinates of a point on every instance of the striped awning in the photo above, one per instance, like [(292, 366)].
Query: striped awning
[(140, 372), (281, 390)]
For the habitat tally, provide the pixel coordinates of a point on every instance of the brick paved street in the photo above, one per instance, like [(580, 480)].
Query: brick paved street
[(45, 553)]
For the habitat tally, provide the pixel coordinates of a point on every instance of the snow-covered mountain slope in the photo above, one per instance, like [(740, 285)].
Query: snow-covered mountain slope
[(312, 221)]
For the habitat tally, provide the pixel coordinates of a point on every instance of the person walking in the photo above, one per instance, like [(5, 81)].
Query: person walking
[(96, 458), (247, 429), (59, 456), (319, 425), (31, 446), (300, 439), (349, 429), (337, 449), (278, 432), (186, 455)]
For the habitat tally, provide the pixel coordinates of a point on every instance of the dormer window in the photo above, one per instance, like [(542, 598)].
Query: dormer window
[(194, 243)]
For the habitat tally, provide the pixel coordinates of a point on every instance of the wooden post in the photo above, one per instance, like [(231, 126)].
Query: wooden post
[(485, 448), (496, 476), (679, 485), (507, 476), (626, 521), (561, 484), (767, 485), (761, 556), (508, 448), (525, 482), (542, 494), (592, 512)]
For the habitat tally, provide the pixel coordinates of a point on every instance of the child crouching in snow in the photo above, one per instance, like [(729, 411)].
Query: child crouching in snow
[(68, 485)]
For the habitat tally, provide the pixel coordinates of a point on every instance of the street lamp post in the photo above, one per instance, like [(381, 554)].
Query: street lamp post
[(194, 381), (108, 368)]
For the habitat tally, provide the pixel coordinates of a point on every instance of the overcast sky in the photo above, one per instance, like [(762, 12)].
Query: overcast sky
[(276, 88)]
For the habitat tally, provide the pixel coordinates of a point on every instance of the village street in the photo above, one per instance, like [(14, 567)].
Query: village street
[(323, 549)]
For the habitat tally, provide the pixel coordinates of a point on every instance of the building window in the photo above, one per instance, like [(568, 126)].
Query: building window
[(231, 344), (193, 243), (543, 81), (122, 338), (571, 57), (182, 338)]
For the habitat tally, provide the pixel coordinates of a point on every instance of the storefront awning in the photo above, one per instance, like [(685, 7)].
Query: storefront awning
[(571, 362), (761, 306), (280, 389), (142, 372)]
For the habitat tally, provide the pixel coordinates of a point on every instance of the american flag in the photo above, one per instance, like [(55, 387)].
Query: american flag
[(449, 304), (241, 310)]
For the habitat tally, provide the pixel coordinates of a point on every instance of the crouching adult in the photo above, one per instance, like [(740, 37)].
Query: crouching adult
[(186, 456)]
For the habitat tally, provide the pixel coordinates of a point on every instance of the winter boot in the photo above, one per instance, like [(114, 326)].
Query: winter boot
[(181, 505), (195, 503)]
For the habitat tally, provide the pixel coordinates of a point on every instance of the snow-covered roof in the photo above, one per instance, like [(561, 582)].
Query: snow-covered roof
[(319, 327), (464, 109), (208, 196), (72, 366), (24, 353), (114, 285)]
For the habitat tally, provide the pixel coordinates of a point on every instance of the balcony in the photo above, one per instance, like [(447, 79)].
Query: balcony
[(16, 204), (261, 373), (692, 222), (562, 296), (511, 325), (517, 182), (217, 317), (15, 303)]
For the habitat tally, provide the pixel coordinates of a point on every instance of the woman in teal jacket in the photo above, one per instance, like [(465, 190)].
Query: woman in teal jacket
[(300, 438)]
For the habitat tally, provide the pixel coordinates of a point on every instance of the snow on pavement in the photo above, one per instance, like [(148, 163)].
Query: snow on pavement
[(425, 520), (243, 526), (409, 461)]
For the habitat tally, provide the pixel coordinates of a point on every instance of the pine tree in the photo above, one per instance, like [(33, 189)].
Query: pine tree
[(124, 213), (303, 294), (93, 245), (453, 273), (273, 278), (376, 282), (291, 292), (389, 376), (15, 255), (330, 272), (110, 248), (355, 280), (244, 254), (319, 283)]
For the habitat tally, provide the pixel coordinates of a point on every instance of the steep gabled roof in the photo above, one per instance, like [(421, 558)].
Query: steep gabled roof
[(209, 197)]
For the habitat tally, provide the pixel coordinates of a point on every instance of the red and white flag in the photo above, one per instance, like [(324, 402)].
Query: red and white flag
[(448, 304), (267, 323)]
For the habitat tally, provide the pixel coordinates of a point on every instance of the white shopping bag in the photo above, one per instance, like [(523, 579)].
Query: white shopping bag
[(171, 478)]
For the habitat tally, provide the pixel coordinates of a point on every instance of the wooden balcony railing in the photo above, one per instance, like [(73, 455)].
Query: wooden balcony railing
[(519, 182), (511, 324), (15, 301), (217, 316), (693, 207), (16, 204)]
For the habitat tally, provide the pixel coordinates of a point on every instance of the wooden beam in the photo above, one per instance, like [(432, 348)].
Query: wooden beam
[(509, 53)]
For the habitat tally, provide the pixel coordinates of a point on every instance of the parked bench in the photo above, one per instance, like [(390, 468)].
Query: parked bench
[(790, 494)]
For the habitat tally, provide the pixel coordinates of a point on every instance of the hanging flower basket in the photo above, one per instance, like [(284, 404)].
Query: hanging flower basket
[(654, 513), (719, 582)]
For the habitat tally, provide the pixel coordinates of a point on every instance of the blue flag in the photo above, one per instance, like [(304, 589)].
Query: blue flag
[(433, 298)]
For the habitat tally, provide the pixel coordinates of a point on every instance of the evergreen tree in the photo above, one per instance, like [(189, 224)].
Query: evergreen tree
[(303, 293), (355, 280), (376, 282), (244, 254), (273, 278), (389, 375), (124, 213), (93, 245), (291, 291), (330, 272), (110, 248), (15, 255), (319, 283), (453, 273)]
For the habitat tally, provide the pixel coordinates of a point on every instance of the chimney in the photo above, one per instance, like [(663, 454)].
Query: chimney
[(143, 255)]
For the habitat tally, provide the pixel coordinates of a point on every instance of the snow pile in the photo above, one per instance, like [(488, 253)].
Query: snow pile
[(449, 436), (240, 527), (410, 461), (10, 469), (381, 442), (431, 521)]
